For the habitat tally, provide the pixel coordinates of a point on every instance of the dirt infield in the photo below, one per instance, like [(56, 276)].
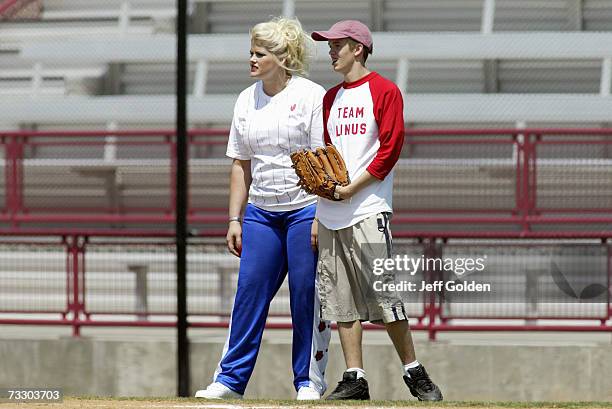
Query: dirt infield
[(138, 403)]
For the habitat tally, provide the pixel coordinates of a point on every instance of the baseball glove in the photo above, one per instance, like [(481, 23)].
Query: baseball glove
[(320, 170)]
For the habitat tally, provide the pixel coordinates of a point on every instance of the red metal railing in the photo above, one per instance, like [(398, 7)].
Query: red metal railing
[(523, 174), (526, 143), (120, 302), (527, 184)]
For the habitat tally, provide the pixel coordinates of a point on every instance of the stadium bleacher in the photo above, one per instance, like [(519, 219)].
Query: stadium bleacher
[(467, 63), (142, 70)]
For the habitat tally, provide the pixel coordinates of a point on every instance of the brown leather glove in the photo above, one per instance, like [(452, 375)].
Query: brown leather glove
[(320, 170)]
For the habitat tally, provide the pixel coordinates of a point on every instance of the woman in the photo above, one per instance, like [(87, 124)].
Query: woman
[(277, 115)]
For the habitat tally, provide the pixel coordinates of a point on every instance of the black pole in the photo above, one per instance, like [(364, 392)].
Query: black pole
[(181, 199)]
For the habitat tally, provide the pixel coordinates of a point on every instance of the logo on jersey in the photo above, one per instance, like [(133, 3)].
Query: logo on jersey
[(292, 107)]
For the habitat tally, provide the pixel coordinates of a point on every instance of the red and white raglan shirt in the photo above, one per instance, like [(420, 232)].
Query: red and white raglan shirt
[(365, 121)]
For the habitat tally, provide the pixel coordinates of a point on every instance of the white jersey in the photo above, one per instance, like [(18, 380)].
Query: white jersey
[(265, 130)]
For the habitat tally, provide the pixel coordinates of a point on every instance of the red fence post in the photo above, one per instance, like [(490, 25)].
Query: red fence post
[(8, 186), (517, 188), (525, 181), (76, 303), (19, 148), (66, 243), (533, 181), (72, 284), (525, 160), (83, 274), (172, 205), (10, 178), (430, 276), (14, 178)]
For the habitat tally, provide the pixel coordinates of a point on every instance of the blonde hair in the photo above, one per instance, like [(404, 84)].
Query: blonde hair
[(287, 41)]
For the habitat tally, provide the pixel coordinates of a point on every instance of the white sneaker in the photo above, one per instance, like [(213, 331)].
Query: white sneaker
[(217, 390), (308, 393)]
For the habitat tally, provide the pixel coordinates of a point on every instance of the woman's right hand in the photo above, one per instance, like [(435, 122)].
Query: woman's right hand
[(314, 235), (234, 238)]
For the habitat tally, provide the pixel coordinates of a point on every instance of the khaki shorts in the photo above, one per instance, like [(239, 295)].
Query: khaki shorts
[(346, 277)]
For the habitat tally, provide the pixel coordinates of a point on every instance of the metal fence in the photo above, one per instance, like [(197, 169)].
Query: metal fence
[(484, 180), (86, 235), (95, 280)]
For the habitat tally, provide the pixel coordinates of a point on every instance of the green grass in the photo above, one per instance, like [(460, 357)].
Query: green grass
[(449, 404), (377, 403)]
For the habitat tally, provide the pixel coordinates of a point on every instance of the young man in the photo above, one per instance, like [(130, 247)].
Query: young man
[(363, 118)]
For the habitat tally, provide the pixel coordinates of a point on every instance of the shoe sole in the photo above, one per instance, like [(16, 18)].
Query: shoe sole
[(364, 398), (220, 398), (425, 400)]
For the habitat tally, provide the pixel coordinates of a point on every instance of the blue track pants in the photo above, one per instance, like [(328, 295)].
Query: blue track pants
[(275, 244)]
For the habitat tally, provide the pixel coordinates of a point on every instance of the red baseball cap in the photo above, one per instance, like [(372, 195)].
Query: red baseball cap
[(347, 29)]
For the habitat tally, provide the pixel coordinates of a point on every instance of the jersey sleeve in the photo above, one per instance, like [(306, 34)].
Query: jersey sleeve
[(389, 115), (316, 119), (328, 101), (235, 143)]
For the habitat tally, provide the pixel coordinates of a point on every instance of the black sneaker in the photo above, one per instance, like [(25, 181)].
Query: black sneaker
[(421, 386), (350, 388)]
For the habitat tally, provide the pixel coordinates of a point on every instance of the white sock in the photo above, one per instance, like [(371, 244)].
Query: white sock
[(411, 365), (360, 372)]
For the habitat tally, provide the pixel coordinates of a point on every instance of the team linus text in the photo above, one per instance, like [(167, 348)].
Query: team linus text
[(351, 128)]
